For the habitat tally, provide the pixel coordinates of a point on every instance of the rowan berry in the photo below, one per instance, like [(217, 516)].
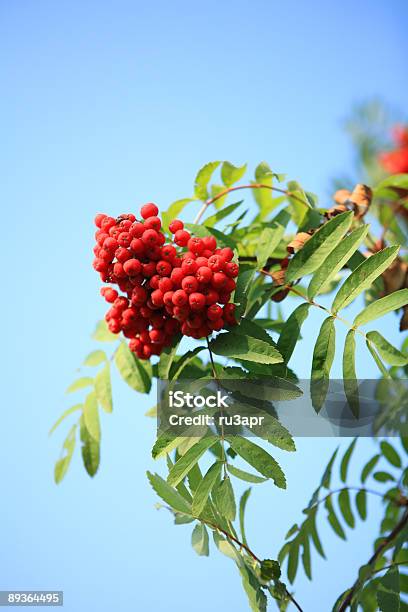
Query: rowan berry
[(195, 245), (211, 297), (107, 223), (139, 295), (189, 266), (110, 295), (168, 298), (149, 210), (137, 246), (136, 230), (124, 239), (196, 301), (157, 297), (110, 244), (226, 253), (217, 324), (179, 297), (156, 335), (181, 237), (148, 269), (176, 226), (219, 280), (132, 267), (189, 284), (214, 312), (224, 298), (153, 223), (165, 284), (114, 326), (163, 268), (168, 252), (215, 263), (231, 269), (210, 243), (150, 237), (99, 218), (177, 276)]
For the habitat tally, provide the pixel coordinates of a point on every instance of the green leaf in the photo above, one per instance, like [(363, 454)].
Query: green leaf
[(137, 373), (199, 540), (80, 383), (242, 506), (368, 468), (189, 459), (349, 373), (346, 460), (320, 245), (167, 359), (333, 520), (290, 333), (259, 459), (91, 416), (270, 237), (377, 360), (64, 415), (178, 366), (345, 507), (400, 181), (222, 239), (225, 500), (221, 214), (270, 570), (363, 276), (62, 465), (256, 597), (388, 352), (205, 487), (390, 454), (95, 358), (293, 560), (238, 345), (383, 477), (90, 449), (327, 474), (231, 174), (245, 476), (381, 307), (336, 261), (169, 495), (307, 565), (103, 388), (203, 178), (246, 274), (361, 503), (323, 356), (102, 333)]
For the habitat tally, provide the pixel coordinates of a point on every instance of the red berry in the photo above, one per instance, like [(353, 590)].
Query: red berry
[(227, 254), (153, 223), (231, 269), (177, 276), (149, 269), (156, 335), (157, 297), (168, 297), (215, 263), (110, 295), (114, 326), (217, 324), (181, 237), (150, 237), (118, 270), (189, 266), (149, 210), (179, 298), (202, 261), (107, 223), (219, 280), (122, 254), (214, 312), (224, 298), (124, 239), (163, 268), (168, 252), (230, 285), (196, 301), (175, 226), (165, 284), (139, 295), (211, 297), (110, 244), (189, 284), (196, 245), (204, 274), (99, 218), (105, 255), (137, 246), (136, 230), (132, 267), (210, 243), (229, 314)]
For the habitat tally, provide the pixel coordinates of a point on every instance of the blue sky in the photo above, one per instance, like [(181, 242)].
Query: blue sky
[(105, 106)]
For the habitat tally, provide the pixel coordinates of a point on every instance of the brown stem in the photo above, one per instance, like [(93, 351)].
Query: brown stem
[(403, 522), (253, 186)]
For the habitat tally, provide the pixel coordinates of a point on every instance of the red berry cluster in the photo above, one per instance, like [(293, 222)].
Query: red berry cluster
[(167, 289)]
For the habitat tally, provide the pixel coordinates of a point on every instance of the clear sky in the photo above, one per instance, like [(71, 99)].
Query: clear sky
[(106, 105)]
